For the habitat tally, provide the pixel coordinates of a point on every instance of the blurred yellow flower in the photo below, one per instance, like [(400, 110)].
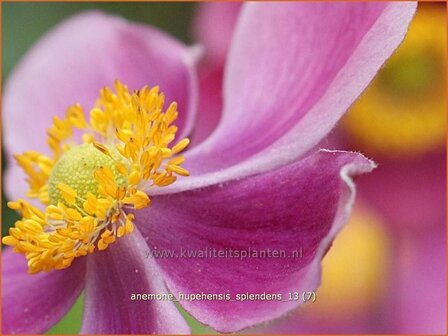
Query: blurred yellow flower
[(402, 113), (355, 268)]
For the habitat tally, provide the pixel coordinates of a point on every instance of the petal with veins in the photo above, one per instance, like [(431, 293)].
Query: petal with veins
[(302, 205)]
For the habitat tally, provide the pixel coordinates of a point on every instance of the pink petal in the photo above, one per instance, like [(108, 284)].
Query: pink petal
[(293, 70), (73, 61), (302, 205), (32, 304), (210, 104), (112, 276), (213, 28)]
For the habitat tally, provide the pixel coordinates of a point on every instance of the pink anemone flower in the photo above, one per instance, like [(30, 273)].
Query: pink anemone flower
[(256, 182)]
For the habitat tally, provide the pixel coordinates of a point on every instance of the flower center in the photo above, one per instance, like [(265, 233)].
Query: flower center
[(88, 188), (76, 168)]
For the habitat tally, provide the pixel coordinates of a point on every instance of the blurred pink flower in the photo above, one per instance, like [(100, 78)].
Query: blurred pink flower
[(256, 181)]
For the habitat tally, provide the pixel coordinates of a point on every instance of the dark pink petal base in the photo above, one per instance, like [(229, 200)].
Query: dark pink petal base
[(302, 205)]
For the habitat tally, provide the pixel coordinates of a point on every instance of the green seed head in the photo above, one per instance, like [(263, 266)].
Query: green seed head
[(76, 168)]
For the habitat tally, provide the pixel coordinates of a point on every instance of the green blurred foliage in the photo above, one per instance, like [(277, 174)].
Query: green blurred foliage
[(24, 23), (71, 323)]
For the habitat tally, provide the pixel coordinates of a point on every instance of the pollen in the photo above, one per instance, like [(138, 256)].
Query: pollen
[(100, 168)]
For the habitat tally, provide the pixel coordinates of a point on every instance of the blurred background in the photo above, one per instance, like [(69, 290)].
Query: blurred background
[(386, 272)]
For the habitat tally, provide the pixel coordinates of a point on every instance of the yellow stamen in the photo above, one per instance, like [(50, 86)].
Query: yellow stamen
[(88, 187), (67, 193)]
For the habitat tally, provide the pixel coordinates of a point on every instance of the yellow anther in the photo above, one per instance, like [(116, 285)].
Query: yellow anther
[(67, 193), (102, 245), (181, 145), (15, 205), (120, 231), (129, 226), (178, 170), (134, 177), (75, 115), (103, 149), (9, 240), (73, 214), (121, 168), (139, 199)]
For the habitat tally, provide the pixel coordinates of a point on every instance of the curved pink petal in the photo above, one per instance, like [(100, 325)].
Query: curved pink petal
[(32, 304), (300, 206), (213, 28), (116, 273), (74, 61), (210, 104), (293, 70)]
